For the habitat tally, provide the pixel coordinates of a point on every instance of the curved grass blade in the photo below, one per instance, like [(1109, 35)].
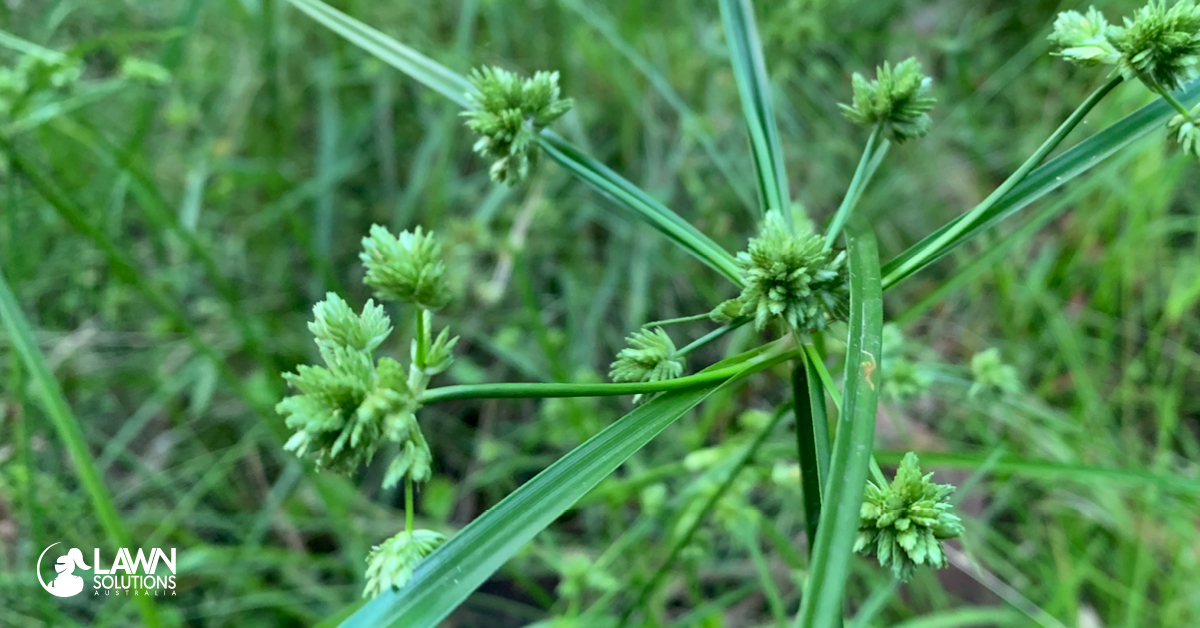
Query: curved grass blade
[(55, 405), (754, 88), (454, 86), (1049, 177), (456, 569), (821, 606), (426, 71)]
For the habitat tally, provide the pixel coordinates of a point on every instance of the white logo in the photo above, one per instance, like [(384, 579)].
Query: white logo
[(140, 577), (67, 583)]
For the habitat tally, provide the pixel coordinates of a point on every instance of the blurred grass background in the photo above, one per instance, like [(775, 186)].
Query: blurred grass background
[(167, 238)]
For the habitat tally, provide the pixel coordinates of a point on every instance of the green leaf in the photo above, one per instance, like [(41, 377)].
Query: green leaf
[(455, 570), (636, 202), (1049, 177), (812, 439), (821, 606), (55, 405), (754, 87)]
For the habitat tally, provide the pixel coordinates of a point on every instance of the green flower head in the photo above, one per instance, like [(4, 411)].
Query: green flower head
[(992, 376), (334, 321), (1187, 132), (1159, 45), (1083, 38), (897, 99), (903, 525), (507, 112), (408, 268), (390, 564), (789, 276), (650, 357)]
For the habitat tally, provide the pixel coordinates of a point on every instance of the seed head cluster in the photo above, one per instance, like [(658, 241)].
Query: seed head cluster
[(507, 112), (897, 99), (790, 276), (903, 524)]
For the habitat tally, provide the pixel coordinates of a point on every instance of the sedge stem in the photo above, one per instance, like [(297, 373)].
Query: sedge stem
[(408, 505), (862, 175)]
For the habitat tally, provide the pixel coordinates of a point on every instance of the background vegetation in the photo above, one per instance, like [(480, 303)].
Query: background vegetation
[(168, 234)]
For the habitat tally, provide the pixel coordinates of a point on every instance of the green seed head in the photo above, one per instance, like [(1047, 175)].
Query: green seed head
[(335, 322), (1083, 38), (789, 276), (408, 268), (390, 564), (1158, 45), (897, 99), (650, 357), (903, 524), (1187, 132), (507, 112), (992, 376)]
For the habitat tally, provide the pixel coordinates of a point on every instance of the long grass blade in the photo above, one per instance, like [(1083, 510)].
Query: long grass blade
[(821, 606), (426, 71), (812, 440), (754, 87), (50, 394), (1049, 177)]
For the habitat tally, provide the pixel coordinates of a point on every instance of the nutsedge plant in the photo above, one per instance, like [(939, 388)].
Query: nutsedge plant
[(792, 280)]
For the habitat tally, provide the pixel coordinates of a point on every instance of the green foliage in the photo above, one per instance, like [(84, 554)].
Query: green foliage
[(390, 564), (1159, 45), (1083, 38), (508, 111), (904, 523), (788, 276), (408, 268), (897, 101)]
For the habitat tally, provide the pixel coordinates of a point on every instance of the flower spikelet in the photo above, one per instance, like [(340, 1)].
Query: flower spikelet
[(1083, 38), (1187, 132), (1159, 45), (334, 321), (507, 112), (903, 525), (791, 276), (390, 564), (897, 99), (408, 268), (650, 357)]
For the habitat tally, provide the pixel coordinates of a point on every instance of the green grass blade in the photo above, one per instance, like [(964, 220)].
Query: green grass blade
[(454, 86), (754, 88), (821, 606), (455, 570), (55, 405), (812, 440), (639, 204), (1049, 177), (426, 71)]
